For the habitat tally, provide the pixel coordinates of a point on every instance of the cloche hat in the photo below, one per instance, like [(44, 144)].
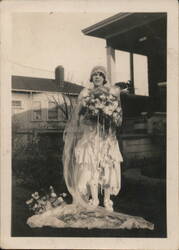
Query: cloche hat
[(98, 68)]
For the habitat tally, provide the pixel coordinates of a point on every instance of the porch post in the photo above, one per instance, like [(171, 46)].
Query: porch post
[(132, 89), (110, 52)]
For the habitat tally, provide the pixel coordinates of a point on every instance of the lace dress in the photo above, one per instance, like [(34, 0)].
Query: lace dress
[(97, 156)]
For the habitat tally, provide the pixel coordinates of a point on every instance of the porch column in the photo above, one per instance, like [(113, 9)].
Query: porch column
[(132, 89), (110, 52)]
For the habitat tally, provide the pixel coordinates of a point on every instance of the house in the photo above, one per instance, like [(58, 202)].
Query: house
[(143, 35), (42, 106)]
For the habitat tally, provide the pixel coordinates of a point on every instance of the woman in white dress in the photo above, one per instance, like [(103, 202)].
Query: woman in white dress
[(92, 162), (92, 159)]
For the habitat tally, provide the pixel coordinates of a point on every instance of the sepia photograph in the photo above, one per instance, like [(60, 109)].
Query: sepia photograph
[(88, 124)]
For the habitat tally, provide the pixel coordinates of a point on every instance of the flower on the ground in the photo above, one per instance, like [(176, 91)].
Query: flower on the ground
[(29, 201), (44, 198), (53, 195), (60, 199), (35, 206), (39, 204), (35, 195)]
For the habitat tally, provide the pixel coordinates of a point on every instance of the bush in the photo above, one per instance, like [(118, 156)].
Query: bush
[(38, 168)]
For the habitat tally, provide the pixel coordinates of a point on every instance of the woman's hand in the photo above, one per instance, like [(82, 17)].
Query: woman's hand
[(125, 91), (115, 91)]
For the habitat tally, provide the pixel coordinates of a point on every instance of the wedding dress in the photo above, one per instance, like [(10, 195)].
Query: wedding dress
[(91, 160), (94, 156)]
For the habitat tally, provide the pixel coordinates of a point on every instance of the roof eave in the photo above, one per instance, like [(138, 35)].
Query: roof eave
[(105, 22), (95, 30), (44, 91)]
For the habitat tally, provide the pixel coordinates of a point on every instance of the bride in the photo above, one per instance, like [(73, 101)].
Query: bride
[(92, 163), (91, 156)]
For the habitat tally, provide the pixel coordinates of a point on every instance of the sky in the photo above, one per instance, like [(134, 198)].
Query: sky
[(42, 41)]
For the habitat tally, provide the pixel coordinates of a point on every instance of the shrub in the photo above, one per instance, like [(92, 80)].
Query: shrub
[(38, 168)]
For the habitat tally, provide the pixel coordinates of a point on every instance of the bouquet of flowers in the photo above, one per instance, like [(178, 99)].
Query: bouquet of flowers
[(103, 104), (38, 204)]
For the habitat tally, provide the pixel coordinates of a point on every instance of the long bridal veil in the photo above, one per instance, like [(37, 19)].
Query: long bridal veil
[(73, 132)]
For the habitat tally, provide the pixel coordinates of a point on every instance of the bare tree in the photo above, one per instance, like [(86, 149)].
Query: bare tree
[(63, 102)]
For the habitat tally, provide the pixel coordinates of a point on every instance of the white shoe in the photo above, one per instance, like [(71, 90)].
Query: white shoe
[(94, 203), (108, 205)]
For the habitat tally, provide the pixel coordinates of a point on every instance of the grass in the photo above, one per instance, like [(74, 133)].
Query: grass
[(135, 198)]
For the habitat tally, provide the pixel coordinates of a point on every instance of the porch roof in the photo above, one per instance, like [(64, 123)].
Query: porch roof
[(132, 32)]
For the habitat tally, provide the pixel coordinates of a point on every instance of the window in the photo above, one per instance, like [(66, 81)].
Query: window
[(16, 104), (140, 75), (122, 66), (52, 111), (134, 69), (37, 112), (17, 107)]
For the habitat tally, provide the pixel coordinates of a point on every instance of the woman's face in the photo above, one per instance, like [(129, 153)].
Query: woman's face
[(98, 79)]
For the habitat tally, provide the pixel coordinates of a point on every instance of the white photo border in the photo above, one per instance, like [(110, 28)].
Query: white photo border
[(171, 8)]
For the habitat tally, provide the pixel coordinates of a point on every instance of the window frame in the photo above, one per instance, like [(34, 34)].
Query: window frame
[(132, 72), (17, 107), (32, 114), (48, 110)]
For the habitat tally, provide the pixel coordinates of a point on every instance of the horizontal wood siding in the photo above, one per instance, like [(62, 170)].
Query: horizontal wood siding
[(139, 148)]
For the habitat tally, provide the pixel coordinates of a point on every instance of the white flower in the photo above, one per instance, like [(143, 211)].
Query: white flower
[(86, 98), (48, 205), (118, 109), (44, 198), (64, 195), (102, 97), (111, 98), (99, 104), (35, 206), (35, 195), (91, 107), (53, 195), (60, 199), (29, 201), (115, 115), (95, 112), (40, 210), (108, 111), (115, 104), (92, 101), (41, 202)]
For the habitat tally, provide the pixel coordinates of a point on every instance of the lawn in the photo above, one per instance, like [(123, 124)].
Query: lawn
[(139, 196)]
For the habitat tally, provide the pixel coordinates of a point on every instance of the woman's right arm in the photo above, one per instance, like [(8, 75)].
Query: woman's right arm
[(84, 93), (73, 123)]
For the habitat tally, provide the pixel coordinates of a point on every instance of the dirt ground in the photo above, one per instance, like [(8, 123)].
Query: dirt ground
[(140, 196)]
